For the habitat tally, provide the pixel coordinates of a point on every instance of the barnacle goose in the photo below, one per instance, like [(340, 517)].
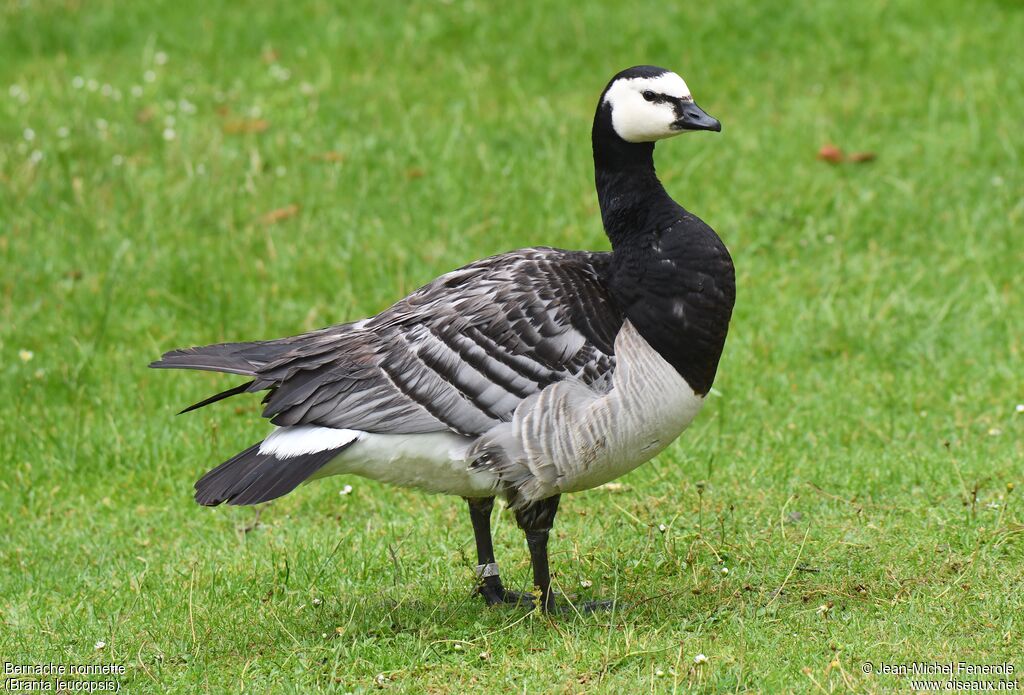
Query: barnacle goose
[(527, 374)]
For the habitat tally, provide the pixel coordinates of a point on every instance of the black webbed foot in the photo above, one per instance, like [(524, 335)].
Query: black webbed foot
[(555, 605), (588, 607), (500, 596), (566, 607)]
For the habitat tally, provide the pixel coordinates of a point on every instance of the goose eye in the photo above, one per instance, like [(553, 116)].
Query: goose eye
[(650, 96)]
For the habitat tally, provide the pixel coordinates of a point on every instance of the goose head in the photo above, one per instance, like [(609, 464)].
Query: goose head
[(647, 103)]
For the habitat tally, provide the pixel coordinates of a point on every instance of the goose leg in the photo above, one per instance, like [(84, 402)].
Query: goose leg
[(490, 586), (536, 521)]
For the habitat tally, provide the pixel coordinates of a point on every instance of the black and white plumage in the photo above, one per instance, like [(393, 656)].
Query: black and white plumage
[(526, 374)]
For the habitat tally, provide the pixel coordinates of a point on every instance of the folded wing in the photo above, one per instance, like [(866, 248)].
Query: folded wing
[(459, 354)]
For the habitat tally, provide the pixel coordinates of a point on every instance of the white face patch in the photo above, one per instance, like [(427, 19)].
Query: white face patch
[(637, 120)]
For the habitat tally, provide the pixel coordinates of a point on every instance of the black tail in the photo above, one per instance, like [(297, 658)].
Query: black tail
[(251, 477)]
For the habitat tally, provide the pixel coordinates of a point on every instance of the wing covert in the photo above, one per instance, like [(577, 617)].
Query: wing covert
[(460, 353)]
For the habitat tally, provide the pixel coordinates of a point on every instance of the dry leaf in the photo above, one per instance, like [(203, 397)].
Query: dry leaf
[(861, 157), (275, 216), (145, 115), (830, 154), (330, 157), (240, 126), (415, 173), (270, 56)]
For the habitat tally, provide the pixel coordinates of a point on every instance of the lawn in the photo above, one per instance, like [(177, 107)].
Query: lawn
[(179, 173)]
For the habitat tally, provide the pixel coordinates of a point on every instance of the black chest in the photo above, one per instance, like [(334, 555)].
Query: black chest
[(677, 286)]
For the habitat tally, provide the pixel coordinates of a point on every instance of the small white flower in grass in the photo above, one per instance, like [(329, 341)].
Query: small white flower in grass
[(997, 181), (78, 82), (136, 91), (1020, 408), (36, 156), (317, 601), (200, 169), (160, 58), (39, 373), (380, 679), (101, 124), (586, 583), (700, 659), (994, 432), (280, 172), (485, 656), (658, 673), (15, 91), (186, 106), (724, 570), (25, 355), (106, 90), (992, 505), (280, 73), (117, 160), (168, 121), (92, 85), (63, 132), (347, 490), (28, 134), (662, 528), (169, 134), (149, 76), (101, 645), (323, 635)]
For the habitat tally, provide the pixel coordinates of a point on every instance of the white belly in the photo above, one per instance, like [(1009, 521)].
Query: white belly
[(435, 462)]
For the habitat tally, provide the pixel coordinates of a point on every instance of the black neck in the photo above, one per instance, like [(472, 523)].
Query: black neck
[(670, 273), (631, 197)]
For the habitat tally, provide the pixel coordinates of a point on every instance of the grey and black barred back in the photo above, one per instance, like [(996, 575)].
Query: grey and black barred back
[(459, 354)]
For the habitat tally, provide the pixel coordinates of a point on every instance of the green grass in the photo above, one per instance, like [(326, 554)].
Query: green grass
[(854, 474)]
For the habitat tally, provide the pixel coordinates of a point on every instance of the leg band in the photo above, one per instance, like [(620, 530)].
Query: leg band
[(488, 570)]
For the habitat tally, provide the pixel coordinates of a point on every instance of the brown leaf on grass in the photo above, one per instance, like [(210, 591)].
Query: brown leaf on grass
[(270, 56), (242, 126), (862, 157), (415, 173), (330, 157), (275, 216), (830, 154), (145, 115)]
